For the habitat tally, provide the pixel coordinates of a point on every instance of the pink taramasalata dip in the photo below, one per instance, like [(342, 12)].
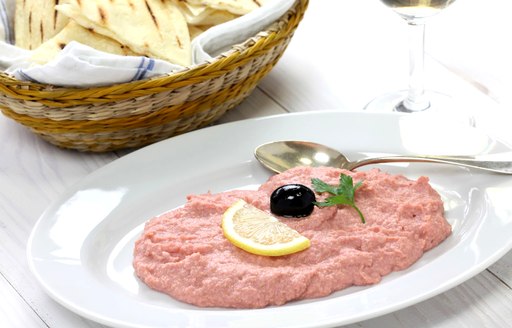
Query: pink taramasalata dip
[(184, 253)]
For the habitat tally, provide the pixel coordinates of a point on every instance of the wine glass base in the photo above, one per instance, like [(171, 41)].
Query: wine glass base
[(440, 104)]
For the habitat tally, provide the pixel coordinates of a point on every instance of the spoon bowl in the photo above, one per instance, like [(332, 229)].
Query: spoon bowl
[(280, 156)]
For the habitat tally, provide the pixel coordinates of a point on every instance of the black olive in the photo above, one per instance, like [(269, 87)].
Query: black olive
[(293, 200)]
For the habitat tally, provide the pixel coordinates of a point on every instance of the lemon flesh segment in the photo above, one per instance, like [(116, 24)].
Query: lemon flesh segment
[(258, 232)]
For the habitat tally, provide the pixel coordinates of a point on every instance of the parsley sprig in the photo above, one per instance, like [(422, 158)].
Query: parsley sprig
[(343, 194)]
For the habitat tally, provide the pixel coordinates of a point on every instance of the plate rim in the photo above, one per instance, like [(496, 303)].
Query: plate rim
[(128, 157)]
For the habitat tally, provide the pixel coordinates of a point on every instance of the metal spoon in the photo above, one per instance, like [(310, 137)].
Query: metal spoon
[(279, 156)]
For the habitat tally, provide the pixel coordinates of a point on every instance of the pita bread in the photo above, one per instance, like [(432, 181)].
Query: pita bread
[(195, 30), (153, 28), (238, 7), (74, 32), (204, 15), (36, 21)]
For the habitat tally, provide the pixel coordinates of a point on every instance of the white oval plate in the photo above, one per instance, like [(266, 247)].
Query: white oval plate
[(80, 250)]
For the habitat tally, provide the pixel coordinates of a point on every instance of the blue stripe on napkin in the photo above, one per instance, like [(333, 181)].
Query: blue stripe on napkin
[(150, 67), (139, 69), (146, 65)]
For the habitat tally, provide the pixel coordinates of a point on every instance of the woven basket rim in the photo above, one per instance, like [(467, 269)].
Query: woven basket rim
[(138, 113), (223, 59)]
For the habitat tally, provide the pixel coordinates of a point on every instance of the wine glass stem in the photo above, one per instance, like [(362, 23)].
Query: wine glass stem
[(416, 100)]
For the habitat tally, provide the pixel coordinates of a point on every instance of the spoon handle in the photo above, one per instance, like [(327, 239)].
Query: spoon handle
[(493, 166)]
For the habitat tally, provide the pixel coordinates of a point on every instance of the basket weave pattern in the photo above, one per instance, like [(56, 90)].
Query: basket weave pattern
[(142, 112)]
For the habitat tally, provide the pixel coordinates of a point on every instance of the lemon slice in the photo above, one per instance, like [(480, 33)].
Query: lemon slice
[(257, 232)]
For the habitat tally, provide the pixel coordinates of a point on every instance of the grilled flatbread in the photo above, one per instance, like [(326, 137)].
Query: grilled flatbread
[(74, 32), (196, 30), (238, 7), (36, 21), (153, 28), (204, 15)]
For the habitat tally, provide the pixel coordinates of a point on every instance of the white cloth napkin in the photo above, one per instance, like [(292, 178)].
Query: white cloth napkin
[(7, 20), (82, 66), (78, 65)]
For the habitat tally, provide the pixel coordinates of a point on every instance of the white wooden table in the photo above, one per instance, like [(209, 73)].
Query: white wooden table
[(343, 54)]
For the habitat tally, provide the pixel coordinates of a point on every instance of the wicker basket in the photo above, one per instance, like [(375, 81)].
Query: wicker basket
[(139, 113)]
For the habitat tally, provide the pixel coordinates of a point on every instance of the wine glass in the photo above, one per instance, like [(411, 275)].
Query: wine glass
[(416, 98)]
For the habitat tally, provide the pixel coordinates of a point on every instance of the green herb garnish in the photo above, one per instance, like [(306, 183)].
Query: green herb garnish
[(343, 194)]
